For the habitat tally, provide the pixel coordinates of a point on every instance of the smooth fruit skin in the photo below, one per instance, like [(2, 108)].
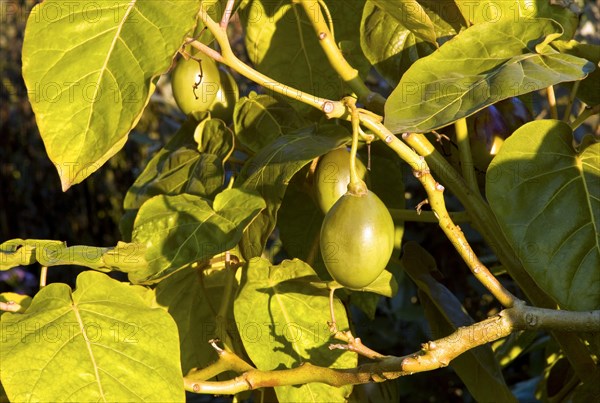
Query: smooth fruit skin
[(357, 239), (332, 177), (226, 98), (185, 75)]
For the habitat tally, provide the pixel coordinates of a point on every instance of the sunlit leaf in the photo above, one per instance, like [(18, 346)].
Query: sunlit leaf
[(546, 198), (482, 65), (178, 230), (101, 342), (89, 75), (282, 319)]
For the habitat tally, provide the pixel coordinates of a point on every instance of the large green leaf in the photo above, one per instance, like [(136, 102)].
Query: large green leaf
[(485, 11), (395, 34), (412, 15), (89, 75), (101, 342), (182, 229), (270, 171), (185, 295), (260, 119), (282, 319), (482, 65), (589, 88), (191, 162), (546, 198), (282, 44), (478, 367), (125, 257)]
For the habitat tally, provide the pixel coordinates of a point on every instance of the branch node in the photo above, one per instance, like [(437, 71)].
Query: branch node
[(389, 139), (328, 107), (322, 35), (213, 343), (439, 187), (420, 206)]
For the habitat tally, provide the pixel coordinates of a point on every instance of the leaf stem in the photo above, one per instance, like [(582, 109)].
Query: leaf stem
[(349, 74), (583, 116), (552, 102), (464, 150), (227, 13), (572, 96)]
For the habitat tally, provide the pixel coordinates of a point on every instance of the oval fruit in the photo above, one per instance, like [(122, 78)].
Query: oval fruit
[(357, 239), (227, 95), (332, 177), (195, 92)]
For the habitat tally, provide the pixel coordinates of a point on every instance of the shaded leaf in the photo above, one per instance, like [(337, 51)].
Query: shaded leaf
[(270, 171), (546, 198), (260, 119), (191, 162), (178, 230), (482, 65), (477, 367), (412, 15), (282, 44), (390, 44), (89, 76), (91, 344), (589, 88), (282, 318), (492, 11), (186, 298)]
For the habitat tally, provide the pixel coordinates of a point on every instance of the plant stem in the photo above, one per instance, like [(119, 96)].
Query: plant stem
[(485, 222), (464, 150), (43, 276), (583, 116), (227, 14), (433, 355), (572, 96), (435, 193), (330, 108), (552, 102), (355, 181), (427, 216), (350, 75)]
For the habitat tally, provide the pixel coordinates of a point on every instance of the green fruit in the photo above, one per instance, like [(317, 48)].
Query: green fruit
[(227, 95), (332, 177), (195, 92), (357, 239)]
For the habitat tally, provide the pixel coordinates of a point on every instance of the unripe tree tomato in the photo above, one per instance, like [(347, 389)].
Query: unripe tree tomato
[(195, 89), (227, 95), (332, 177), (357, 239)]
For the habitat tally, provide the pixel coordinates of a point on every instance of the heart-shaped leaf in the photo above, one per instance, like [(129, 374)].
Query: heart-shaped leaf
[(260, 119), (480, 66), (89, 76), (178, 230), (546, 198), (91, 344), (282, 319)]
